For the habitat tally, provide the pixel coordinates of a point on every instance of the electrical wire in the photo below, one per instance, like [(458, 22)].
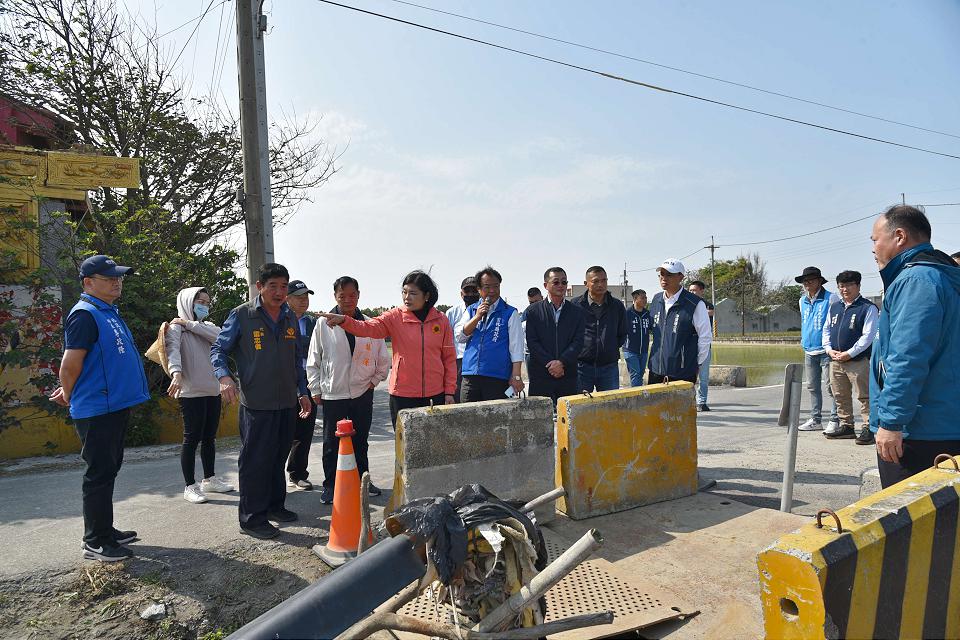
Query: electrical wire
[(198, 20), (942, 204), (638, 83), (677, 69)]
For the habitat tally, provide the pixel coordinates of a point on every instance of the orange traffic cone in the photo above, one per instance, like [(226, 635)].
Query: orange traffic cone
[(345, 522)]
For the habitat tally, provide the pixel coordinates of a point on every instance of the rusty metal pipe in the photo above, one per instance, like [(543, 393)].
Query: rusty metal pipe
[(550, 496), (410, 624), (363, 544), (542, 582)]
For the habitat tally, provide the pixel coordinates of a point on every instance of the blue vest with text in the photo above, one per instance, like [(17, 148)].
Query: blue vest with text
[(846, 325), (488, 351), (112, 377), (813, 313), (675, 341)]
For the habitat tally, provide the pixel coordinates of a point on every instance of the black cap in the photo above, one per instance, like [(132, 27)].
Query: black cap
[(810, 272), (101, 265), (297, 288), (469, 282)]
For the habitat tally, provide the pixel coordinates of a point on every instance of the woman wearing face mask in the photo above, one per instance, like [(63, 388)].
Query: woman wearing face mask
[(188, 341), (424, 366)]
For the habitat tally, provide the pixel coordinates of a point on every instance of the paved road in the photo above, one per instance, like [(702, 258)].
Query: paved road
[(740, 446)]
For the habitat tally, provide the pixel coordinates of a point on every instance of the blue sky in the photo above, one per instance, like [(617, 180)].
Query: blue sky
[(459, 155)]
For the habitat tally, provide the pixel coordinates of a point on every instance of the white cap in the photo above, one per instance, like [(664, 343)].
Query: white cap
[(672, 265)]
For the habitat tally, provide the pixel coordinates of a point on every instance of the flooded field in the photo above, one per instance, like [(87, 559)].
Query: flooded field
[(764, 362)]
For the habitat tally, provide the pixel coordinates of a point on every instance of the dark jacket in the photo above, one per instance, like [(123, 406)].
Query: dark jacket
[(674, 351), (548, 340), (604, 334)]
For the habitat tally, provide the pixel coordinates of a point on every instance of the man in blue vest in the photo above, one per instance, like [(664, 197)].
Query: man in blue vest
[(913, 367), (298, 299), (101, 378), (493, 338), (814, 307), (847, 338), (637, 345), (263, 339), (681, 328)]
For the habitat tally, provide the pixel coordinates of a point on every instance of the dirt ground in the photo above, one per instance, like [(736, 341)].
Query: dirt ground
[(207, 594)]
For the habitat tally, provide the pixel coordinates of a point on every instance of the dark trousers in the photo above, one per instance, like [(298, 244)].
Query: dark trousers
[(554, 388), (360, 411), (654, 378), (300, 449), (102, 439), (399, 402), (917, 456), (478, 388), (456, 395), (201, 417), (265, 437)]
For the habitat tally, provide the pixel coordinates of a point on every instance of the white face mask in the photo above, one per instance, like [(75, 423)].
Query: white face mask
[(201, 311)]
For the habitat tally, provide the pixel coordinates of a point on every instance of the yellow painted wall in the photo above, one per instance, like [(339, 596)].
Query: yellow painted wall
[(622, 449), (52, 436)]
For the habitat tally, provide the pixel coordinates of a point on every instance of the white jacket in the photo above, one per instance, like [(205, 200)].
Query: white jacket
[(333, 375)]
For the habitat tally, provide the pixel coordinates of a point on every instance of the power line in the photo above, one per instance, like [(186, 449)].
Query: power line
[(689, 255), (645, 85), (199, 20), (941, 204), (678, 69)]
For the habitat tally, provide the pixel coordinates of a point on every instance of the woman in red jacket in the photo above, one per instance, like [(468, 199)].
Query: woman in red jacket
[(424, 367)]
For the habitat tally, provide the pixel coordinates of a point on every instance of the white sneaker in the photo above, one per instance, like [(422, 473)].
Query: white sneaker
[(832, 428), (810, 425), (192, 493), (213, 484)]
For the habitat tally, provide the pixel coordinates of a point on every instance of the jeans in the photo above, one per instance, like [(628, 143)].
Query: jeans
[(703, 386), (636, 363), (604, 377), (816, 369), (102, 438)]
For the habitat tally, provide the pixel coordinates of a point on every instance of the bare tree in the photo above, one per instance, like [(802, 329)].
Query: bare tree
[(107, 75)]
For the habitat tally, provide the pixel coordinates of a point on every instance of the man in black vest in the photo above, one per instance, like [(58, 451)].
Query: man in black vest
[(263, 338), (554, 331), (848, 336), (298, 299), (681, 328)]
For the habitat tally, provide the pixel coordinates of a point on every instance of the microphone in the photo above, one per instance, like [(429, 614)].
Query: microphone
[(486, 318)]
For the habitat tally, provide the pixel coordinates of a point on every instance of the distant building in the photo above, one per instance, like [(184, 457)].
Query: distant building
[(620, 291), (768, 319)]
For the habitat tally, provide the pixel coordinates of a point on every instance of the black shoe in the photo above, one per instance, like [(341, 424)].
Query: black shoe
[(326, 495), (865, 436), (703, 407), (846, 433), (374, 490), (124, 537), (263, 531), (282, 515), (305, 485), (106, 552)]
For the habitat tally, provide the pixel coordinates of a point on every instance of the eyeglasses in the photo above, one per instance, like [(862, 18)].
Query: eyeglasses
[(107, 278)]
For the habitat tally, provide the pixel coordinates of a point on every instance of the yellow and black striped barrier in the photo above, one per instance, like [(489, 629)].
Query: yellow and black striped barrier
[(887, 566)]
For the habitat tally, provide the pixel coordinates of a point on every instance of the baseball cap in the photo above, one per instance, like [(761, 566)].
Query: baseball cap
[(672, 265), (297, 288), (101, 265), (469, 282)]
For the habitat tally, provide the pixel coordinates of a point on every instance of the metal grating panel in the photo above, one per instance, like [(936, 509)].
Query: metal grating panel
[(593, 586)]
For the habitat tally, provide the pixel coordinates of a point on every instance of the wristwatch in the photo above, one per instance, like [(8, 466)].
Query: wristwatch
[(518, 378)]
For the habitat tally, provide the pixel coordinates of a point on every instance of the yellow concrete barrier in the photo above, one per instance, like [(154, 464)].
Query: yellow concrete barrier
[(49, 436), (622, 449), (893, 572)]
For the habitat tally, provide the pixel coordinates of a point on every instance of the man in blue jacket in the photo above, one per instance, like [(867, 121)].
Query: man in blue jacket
[(102, 378), (554, 331), (637, 345), (814, 310), (599, 364), (913, 377)]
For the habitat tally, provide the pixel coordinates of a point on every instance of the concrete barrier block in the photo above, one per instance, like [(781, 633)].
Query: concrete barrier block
[(728, 375), (892, 572), (505, 445), (869, 482), (626, 448)]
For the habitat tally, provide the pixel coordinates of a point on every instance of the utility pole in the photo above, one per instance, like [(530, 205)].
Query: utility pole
[(255, 197), (713, 282), (903, 198), (623, 290)]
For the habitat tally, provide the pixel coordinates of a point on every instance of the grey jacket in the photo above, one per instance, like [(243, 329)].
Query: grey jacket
[(188, 349)]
